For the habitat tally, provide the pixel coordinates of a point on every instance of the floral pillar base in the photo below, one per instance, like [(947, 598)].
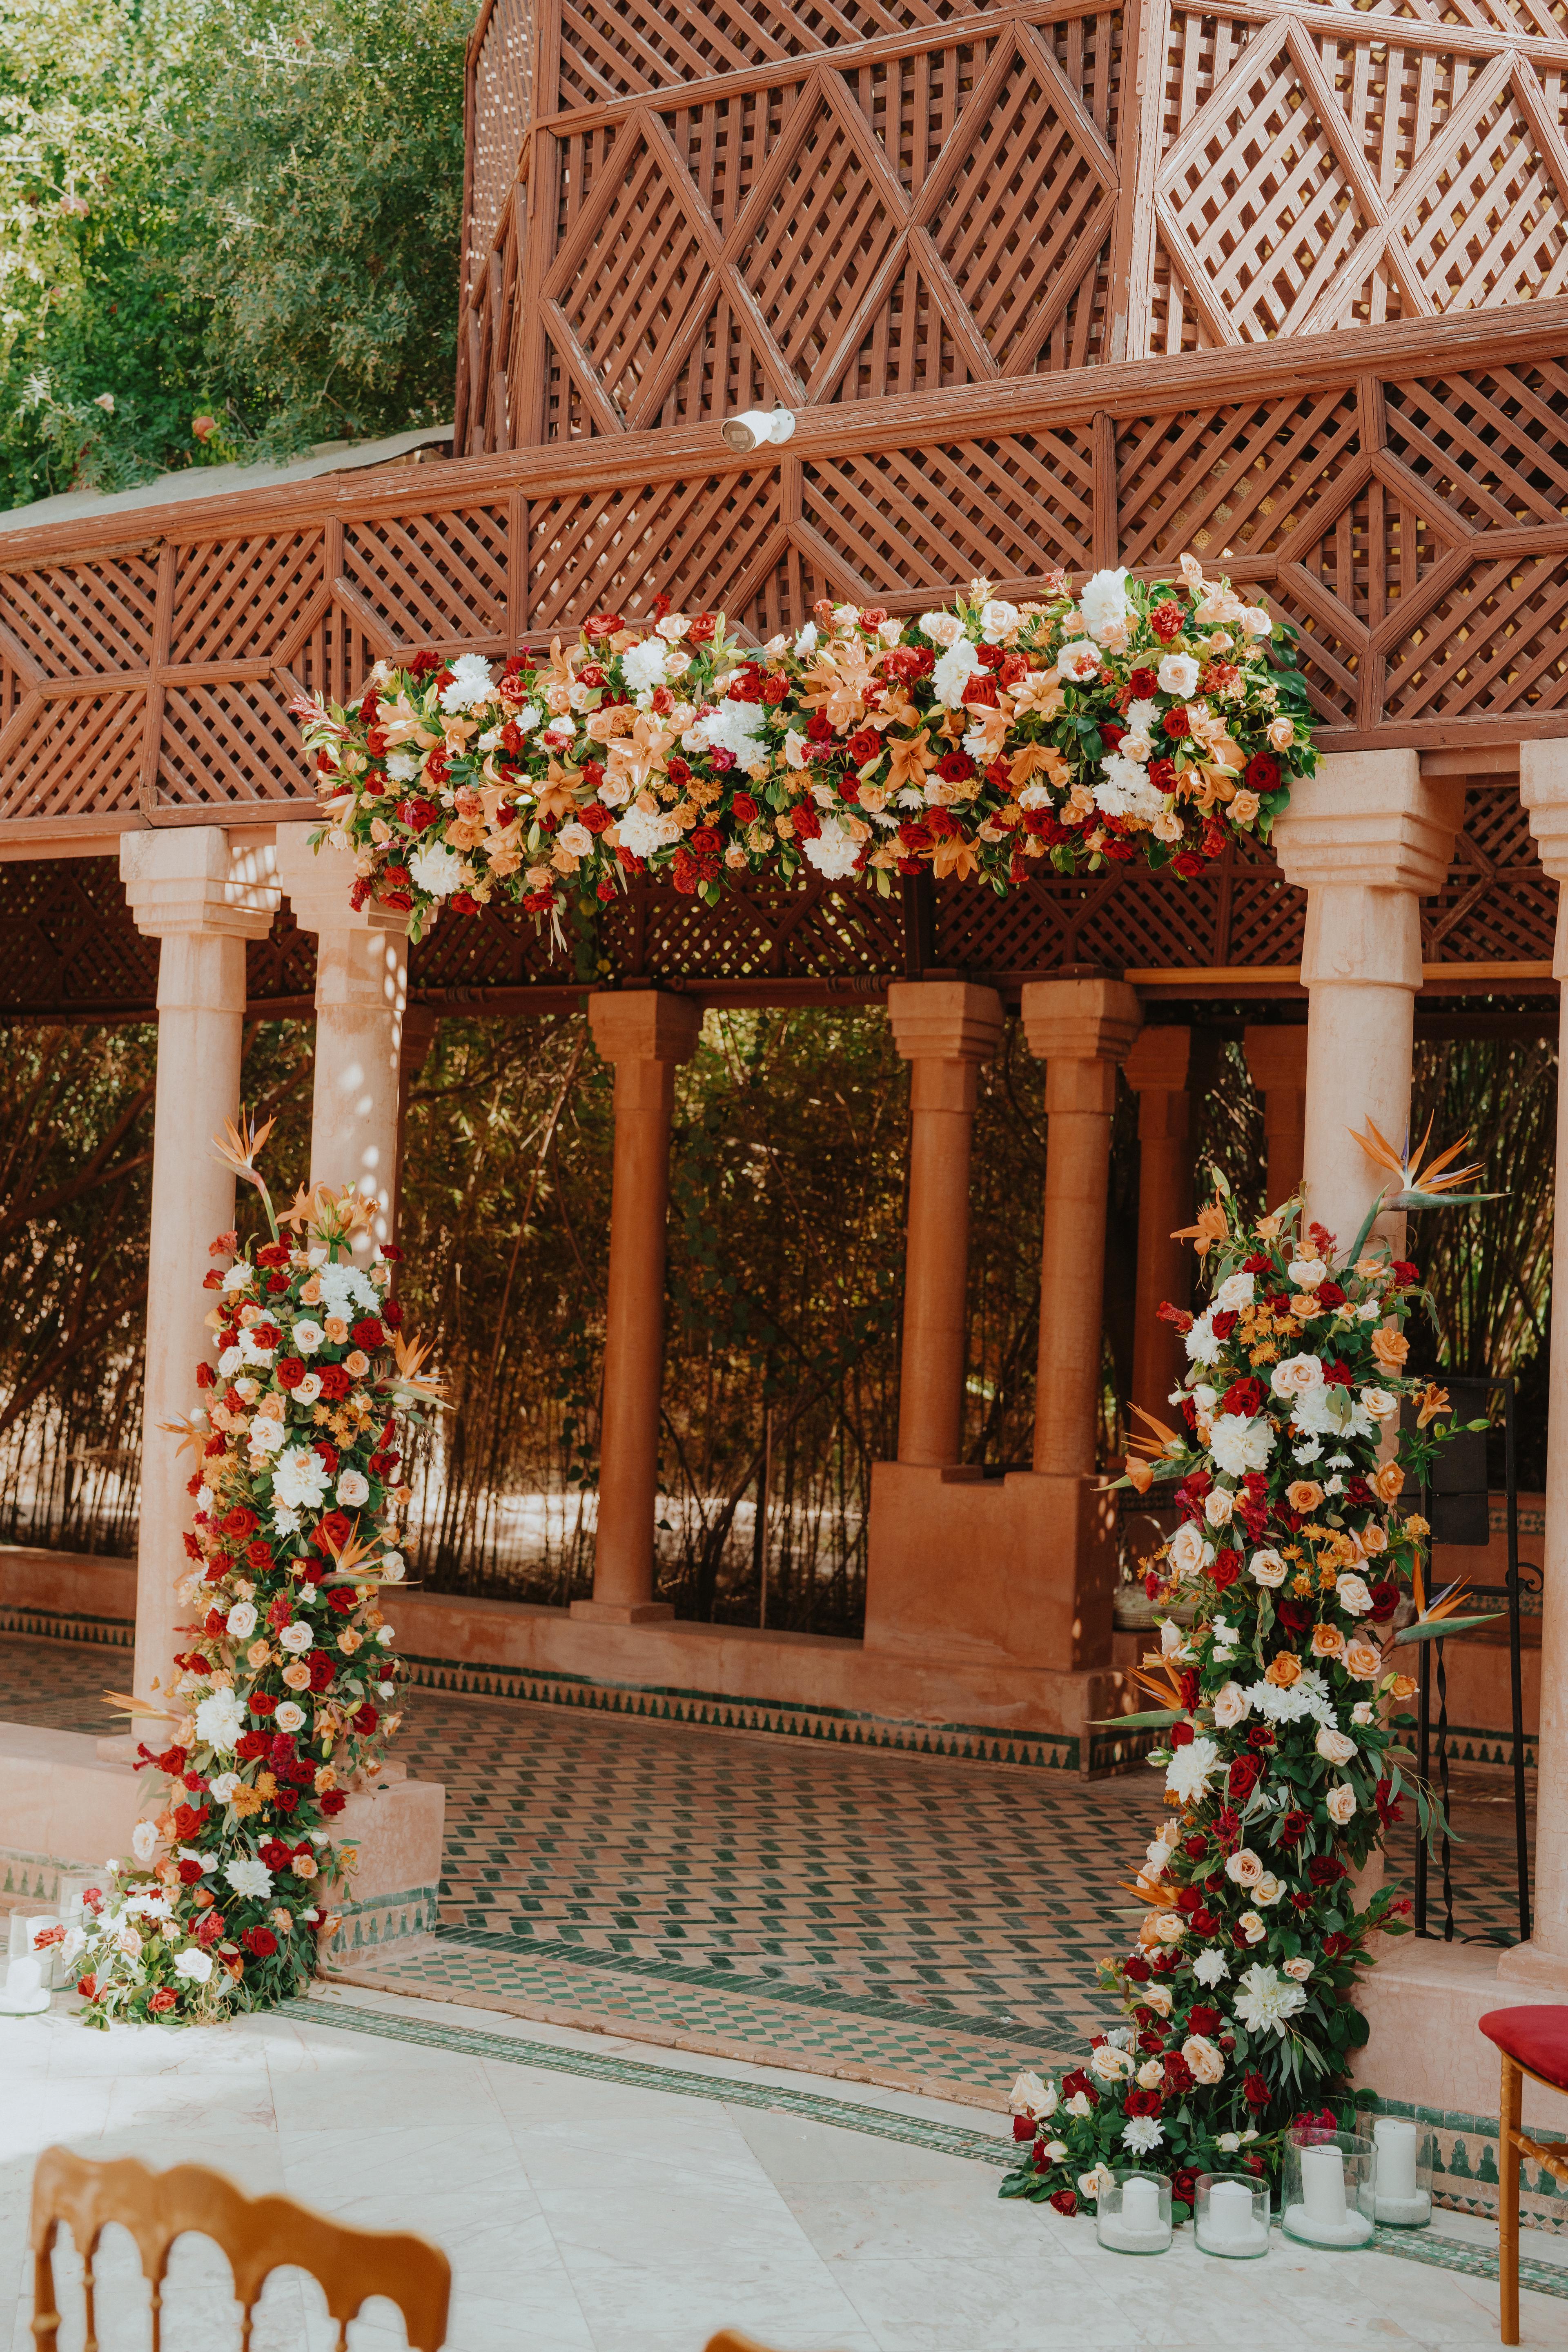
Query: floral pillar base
[(392, 1897)]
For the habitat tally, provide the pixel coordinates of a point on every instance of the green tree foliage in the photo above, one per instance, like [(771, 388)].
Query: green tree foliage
[(204, 214)]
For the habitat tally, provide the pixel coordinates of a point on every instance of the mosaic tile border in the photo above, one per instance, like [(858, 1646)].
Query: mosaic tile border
[(1467, 2179), (962, 1743), (56, 1625), (31, 1877), (404, 1920), (815, 2107)]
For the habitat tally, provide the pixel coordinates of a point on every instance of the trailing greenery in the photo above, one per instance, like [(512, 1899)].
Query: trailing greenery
[(222, 238)]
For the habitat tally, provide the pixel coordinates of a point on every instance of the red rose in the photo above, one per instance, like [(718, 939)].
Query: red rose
[(190, 1872), (332, 1802), (1143, 683), (1022, 2127), (1293, 1827), (367, 1332), (1203, 2021), (161, 2000), (1261, 773), (1226, 1569), (290, 1372), (746, 808), (259, 1553), (1181, 1735), (1135, 1968), (807, 823), (1242, 1778), (1189, 865), (599, 625), (261, 1941), (1142, 2103), (955, 767), (365, 1720), (250, 1745), (699, 632), (706, 840), (240, 1521), (1385, 1602), (1176, 723), (1064, 2202), (335, 1382), (87, 1986), (342, 1597), (416, 814), (321, 1671), (334, 1528), (1163, 775), (1323, 1869), (1244, 1396), (1165, 620), (1254, 2090)]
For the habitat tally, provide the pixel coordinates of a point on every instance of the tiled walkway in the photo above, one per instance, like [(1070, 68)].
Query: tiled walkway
[(883, 1917)]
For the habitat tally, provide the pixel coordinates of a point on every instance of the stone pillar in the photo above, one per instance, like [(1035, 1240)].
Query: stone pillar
[(1543, 1962), (1159, 1070), (1366, 837), (1277, 1059), (361, 986), (944, 1030), (1082, 1029), (202, 892), (644, 1034)]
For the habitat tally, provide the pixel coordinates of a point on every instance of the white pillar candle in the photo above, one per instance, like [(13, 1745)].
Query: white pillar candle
[(1323, 2185), (1140, 2204), (1230, 2209), (1395, 2157), (24, 1978)]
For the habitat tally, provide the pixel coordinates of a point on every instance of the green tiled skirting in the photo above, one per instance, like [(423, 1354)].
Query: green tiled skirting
[(1466, 2178), (54, 1625), (31, 1877), (385, 1921), (1425, 2246)]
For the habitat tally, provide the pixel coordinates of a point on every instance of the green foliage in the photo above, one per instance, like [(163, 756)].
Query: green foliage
[(204, 216)]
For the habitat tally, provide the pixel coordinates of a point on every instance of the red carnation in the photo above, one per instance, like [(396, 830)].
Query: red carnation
[(1165, 620), (1143, 684)]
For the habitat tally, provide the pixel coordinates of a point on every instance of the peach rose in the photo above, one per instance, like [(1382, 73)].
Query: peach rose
[(1374, 1536), (1328, 1642), (1268, 1568), (1387, 1482), (1245, 1868), (1206, 2058), (1390, 1349), (1284, 1671), (1403, 1686), (1362, 1659), (357, 1364), (336, 1329), (1303, 1494), (296, 1676)]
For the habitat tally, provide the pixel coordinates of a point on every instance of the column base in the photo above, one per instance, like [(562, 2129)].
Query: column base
[(1019, 1570), (1536, 1967), (625, 1612)]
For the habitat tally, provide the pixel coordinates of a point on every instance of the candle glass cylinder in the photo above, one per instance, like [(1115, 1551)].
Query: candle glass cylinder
[(1132, 2215), (1230, 2217), (1329, 2188), (1406, 2160), (24, 1992)]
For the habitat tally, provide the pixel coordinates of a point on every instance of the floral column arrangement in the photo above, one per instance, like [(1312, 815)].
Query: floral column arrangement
[(287, 1689), (1281, 1744)]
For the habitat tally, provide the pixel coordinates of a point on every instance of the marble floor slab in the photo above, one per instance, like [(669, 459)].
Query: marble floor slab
[(593, 2199)]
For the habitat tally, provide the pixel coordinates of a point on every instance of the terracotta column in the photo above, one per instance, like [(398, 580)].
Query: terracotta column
[(1366, 838), (1082, 1029), (1543, 1962), (1277, 1059), (644, 1034), (202, 892), (944, 1029), (361, 985), (1158, 1069)]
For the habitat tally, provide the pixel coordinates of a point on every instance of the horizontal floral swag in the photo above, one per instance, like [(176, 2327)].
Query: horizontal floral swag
[(284, 1697), (990, 742), (1281, 1735)]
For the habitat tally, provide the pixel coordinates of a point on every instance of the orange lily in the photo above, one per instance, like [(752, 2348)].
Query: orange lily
[(1212, 1226)]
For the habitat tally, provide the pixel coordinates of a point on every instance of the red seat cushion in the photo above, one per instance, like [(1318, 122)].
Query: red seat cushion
[(1536, 2037)]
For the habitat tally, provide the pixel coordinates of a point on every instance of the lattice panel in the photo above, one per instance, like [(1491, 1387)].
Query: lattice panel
[(502, 75), (696, 540), (1200, 50), (1088, 50), (81, 620), (244, 595), (626, 295), (283, 963), (816, 235), (1377, 551), (724, 144), (771, 932), (82, 753), (1496, 640), (69, 939), (1241, 476), (1010, 509), (500, 947), (12, 686), (433, 578), (783, 595), (228, 743), (910, 344), (636, 45), (334, 658), (1492, 446), (1497, 906), (1332, 652), (913, 103), (728, 366), (1495, 228)]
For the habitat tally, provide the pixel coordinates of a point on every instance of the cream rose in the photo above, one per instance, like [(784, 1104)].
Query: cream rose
[(1204, 2057), (1353, 1596), (1218, 1504), (1334, 1746), (1111, 2065), (1187, 1549), (1341, 1802), (1245, 1868), (1231, 1706), (1268, 1568)]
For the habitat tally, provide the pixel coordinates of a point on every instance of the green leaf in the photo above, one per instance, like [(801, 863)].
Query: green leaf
[(1158, 1718), (1434, 1631)]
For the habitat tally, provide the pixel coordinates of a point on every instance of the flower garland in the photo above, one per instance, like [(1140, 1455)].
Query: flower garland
[(992, 741), (1283, 1758), (281, 1696)]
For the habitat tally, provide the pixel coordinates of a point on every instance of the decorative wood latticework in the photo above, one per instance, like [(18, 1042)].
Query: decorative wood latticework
[(710, 206), (72, 949)]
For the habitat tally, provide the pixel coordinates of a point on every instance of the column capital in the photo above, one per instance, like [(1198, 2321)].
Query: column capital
[(944, 1020), (1543, 789), (1159, 1061), (1370, 819), (191, 878), (1276, 1056), (1080, 1020), (644, 1024), (317, 886)]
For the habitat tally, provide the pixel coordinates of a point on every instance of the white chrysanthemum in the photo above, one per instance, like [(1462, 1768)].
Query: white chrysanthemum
[(250, 1877), (195, 1964), (953, 670), (644, 665), (1211, 1967), (300, 1478), (285, 1522), (738, 726), (353, 1489), (436, 868), (806, 641), (833, 852), (1202, 1345), (470, 683), (1264, 1998), (345, 1287), (1238, 1445), (1141, 2134), (220, 1719), (1104, 605), (1327, 1410), (1189, 1769), (645, 830), (1143, 717), (1307, 1699), (1124, 790)]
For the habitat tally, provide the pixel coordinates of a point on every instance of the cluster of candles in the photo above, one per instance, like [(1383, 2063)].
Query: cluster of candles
[(33, 1969), (1336, 2187)]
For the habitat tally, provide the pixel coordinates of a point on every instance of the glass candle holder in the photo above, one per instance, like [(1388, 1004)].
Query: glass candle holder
[(1330, 2187), (1133, 2216), (1230, 2217), (1406, 2160)]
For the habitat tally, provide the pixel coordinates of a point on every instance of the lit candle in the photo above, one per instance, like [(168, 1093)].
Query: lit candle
[(1395, 2157), (1323, 2185), (1140, 2204)]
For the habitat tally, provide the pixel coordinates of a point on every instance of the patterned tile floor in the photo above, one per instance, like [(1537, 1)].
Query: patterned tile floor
[(894, 1917)]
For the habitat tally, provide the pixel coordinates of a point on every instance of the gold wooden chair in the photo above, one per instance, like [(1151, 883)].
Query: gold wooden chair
[(258, 2235), (1534, 2042)]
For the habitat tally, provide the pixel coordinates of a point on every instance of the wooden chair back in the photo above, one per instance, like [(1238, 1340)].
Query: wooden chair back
[(258, 2235)]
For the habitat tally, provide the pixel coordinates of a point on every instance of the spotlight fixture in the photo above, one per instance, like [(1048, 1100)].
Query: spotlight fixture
[(755, 425)]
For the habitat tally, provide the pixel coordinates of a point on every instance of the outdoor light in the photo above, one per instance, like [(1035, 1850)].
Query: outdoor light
[(755, 425)]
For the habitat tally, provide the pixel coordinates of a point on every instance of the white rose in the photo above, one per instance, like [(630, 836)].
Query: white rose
[(394, 1567), (145, 1841), (1252, 1926), (1156, 1997), (353, 1489), (289, 1718), (1306, 1273), (1299, 1968), (1178, 675), (575, 839), (1027, 2096), (229, 1362), (195, 1964), (1079, 661), (1080, 2105), (238, 1276), (1110, 2064), (1204, 2057), (1295, 1375), (1334, 1746), (997, 619), (297, 1637), (241, 1620), (1352, 1596), (1269, 1889), (1218, 1504), (942, 628), (1379, 1403), (1341, 1802), (307, 1337), (1245, 1868), (1268, 1568), (1231, 1706), (1151, 2074), (1234, 1291)]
